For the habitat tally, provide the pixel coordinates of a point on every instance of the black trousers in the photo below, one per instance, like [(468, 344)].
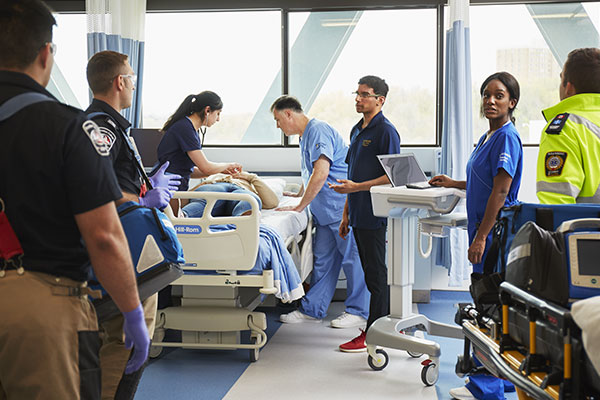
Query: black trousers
[(371, 249)]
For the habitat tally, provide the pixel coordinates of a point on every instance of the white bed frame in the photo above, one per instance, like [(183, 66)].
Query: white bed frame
[(212, 315)]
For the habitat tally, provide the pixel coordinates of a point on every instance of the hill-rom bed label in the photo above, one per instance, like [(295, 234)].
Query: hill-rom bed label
[(188, 229)]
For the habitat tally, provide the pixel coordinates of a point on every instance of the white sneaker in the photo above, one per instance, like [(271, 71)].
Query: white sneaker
[(347, 320), (296, 317), (462, 393)]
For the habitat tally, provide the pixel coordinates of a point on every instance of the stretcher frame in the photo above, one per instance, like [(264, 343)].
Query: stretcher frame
[(521, 364), (227, 253)]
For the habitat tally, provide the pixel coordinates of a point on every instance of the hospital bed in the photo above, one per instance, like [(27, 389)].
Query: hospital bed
[(223, 279)]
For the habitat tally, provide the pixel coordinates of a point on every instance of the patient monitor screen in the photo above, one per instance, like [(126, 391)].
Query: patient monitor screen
[(402, 169), (588, 254)]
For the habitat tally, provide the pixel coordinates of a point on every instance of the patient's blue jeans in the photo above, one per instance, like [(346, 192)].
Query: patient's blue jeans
[(222, 208)]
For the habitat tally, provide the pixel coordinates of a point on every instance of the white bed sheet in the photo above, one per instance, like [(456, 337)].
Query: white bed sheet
[(286, 223)]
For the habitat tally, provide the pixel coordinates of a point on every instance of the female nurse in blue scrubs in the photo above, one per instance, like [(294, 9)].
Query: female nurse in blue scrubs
[(181, 144), (493, 179)]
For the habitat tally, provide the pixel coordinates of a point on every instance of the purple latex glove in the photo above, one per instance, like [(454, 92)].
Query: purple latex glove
[(136, 336), (162, 180), (158, 197)]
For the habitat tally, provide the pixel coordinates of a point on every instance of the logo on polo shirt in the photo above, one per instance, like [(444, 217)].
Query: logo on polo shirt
[(366, 142), (93, 132)]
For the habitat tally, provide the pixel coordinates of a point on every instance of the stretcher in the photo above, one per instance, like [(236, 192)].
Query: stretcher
[(532, 343), (223, 279)]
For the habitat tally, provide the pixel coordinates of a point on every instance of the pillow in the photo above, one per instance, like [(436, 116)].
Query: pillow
[(276, 185)]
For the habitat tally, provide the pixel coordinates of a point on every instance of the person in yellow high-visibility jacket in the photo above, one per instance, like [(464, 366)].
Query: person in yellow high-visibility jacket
[(568, 166)]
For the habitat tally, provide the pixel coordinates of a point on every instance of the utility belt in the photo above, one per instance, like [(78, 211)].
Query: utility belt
[(59, 285)]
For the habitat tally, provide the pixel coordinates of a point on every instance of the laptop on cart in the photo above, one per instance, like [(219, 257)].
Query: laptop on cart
[(404, 170)]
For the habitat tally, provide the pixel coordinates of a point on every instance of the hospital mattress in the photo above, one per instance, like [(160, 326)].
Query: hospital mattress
[(286, 223)]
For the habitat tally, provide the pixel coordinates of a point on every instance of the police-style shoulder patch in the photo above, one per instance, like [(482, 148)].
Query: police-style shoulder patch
[(108, 137), (92, 130), (555, 161), (557, 124)]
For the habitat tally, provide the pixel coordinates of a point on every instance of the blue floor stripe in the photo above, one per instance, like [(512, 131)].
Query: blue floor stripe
[(183, 374)]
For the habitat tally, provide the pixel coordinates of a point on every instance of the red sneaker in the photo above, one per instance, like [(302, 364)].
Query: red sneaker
[(356, 345)]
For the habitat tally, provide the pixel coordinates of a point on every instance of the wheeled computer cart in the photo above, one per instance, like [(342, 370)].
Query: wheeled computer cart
[(397, 330)]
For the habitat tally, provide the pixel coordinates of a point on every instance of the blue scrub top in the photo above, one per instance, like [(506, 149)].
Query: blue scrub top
[(502, 151), (180, 138), (379, 137), (320, 139)]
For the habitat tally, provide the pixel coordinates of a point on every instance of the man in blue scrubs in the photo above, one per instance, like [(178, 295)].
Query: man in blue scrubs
[(373, 135), (323, 153)]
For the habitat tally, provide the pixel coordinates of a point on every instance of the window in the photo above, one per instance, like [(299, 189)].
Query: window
[(331, 51), (235, 54), (68, 75), (509, 38)]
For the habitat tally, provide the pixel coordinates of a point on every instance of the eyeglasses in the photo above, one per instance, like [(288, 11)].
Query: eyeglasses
[(365, 95), (132, 77), (53, 47)]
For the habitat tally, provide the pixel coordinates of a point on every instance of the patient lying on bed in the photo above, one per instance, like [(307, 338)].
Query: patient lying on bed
[(243, 182), (272, 252)]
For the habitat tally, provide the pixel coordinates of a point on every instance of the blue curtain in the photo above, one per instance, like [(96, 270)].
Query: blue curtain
[(118, 25), (100, 41), (457, 131)]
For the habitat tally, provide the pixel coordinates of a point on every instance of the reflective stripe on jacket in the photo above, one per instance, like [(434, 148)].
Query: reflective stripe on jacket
[(568, 170)]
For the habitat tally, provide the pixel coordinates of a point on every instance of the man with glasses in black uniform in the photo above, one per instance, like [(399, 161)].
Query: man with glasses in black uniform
[(58, 190), (112, 82), (373, 135)]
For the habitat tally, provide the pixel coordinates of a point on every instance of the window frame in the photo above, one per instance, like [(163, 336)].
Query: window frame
[(290, 6)]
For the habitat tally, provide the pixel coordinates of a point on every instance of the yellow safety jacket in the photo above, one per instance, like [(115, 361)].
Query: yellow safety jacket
[(568, 166)]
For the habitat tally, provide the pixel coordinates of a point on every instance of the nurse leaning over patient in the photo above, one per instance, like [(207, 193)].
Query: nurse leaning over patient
[(181, 145), (493, 180)]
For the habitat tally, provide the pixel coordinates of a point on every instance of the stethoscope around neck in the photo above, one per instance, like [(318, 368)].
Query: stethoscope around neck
[(203, 133)]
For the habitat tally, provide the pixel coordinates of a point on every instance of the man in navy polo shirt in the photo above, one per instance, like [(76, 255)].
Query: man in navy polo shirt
[(373, 135)]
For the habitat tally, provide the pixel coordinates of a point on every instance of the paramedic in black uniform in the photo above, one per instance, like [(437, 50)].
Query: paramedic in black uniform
[(112, 83), (59, 189)]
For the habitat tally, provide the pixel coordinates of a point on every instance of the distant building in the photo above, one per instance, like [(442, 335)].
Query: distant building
[(527, 63)]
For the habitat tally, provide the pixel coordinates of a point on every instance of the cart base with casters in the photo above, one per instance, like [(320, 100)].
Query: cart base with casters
[(398, 330)]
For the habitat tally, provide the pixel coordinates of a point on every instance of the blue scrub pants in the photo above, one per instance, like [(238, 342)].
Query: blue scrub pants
[(331, 253), (485, 386), (222, 208)]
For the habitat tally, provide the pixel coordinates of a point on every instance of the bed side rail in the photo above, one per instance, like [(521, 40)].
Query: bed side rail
[(208, 249)]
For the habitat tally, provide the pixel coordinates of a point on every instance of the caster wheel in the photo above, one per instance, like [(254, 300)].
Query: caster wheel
[(429, 373), (254, 353), (379, 363), (414, 354), (155, 351)]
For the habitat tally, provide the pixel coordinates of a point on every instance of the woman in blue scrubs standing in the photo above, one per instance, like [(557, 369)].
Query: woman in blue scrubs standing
[(181, 144), (493, 180)]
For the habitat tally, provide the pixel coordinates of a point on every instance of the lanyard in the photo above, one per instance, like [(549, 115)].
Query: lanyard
[(146, 185)]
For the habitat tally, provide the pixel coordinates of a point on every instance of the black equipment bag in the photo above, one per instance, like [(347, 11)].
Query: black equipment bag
[(484, 287), (537, 263)]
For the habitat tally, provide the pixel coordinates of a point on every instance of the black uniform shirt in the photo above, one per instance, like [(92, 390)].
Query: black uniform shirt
[(52, 167), (112, 130)]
